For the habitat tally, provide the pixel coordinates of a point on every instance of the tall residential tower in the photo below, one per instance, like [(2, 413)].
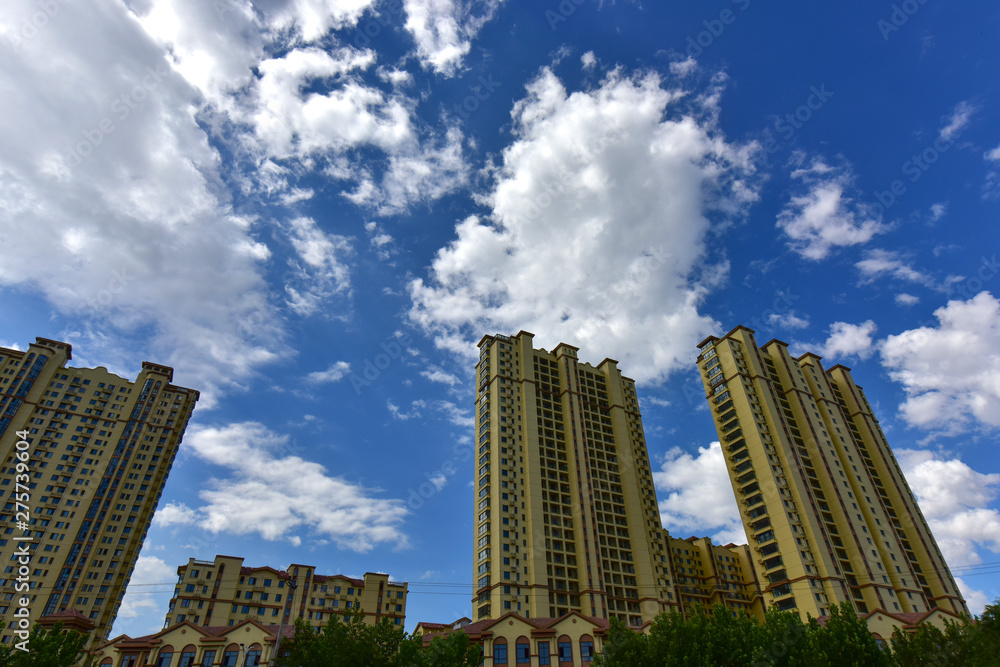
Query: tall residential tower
[(100, 448), (565, 511), (824, 504)]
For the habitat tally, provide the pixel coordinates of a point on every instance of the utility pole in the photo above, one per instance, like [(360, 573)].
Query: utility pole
[(281, 626)]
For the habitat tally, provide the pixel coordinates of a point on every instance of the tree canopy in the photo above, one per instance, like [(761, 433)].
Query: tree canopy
[(349, 642), (783, 640)]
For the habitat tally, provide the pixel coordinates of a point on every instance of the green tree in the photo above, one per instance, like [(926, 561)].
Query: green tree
[(454, 650), (347, 642), (48, 648), (624, 646)]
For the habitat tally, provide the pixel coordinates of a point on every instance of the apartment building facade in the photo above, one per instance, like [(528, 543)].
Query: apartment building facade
[(85, 455), (826, 508), (223, 592)]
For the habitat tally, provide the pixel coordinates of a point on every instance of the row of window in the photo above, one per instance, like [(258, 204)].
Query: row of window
[(522, 651)]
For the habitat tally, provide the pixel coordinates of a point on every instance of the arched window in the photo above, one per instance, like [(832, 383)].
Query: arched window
[(522, 651), (499, 651), (564, 647), (586, 648), (231, 656), (188, 656), (253, 655), (165, 656)]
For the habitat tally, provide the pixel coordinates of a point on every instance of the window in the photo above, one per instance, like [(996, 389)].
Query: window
[(543, 653), (164, 659), (208, 659), (229, 658), (565, 651), (253, 658), (523, 653), (499, 654), (586, 650)]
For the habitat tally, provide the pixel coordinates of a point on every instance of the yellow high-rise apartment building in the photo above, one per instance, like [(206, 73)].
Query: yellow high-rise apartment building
[(709, 574), (100, 448), (223, 593), (824, 504), (565, 511)]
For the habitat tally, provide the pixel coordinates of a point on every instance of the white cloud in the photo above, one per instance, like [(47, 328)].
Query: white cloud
[(683, 67), (938, 211), (949, 372), (849, 340), (878, 262), (138, 600), (173, 514), (957, 120), (290, 494), (624, 189), (991, 189), (788, 320), (443, 29), (436, 374), (904, 299), (588, 60), (319, 273), (826, 216), (414, 412), (334, 373), (109, 170), (954, 498), (306, 102), (700, 498)]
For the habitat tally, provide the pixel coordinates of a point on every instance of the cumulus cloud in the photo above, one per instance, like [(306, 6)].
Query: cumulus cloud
[(788, 320), (334, 373), (878, 263), (138, 601), (319, 271), (904, 299), (848, 340), (625, 177), (588, 60), (111, 173), (954, 499), (443, 29), (699, 497), (436, 374), (292, 495), (825, 214), (277, 93), (949, 372), (683, 67)]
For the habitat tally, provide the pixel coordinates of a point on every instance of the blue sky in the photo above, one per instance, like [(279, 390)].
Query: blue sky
[(314, 209)]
